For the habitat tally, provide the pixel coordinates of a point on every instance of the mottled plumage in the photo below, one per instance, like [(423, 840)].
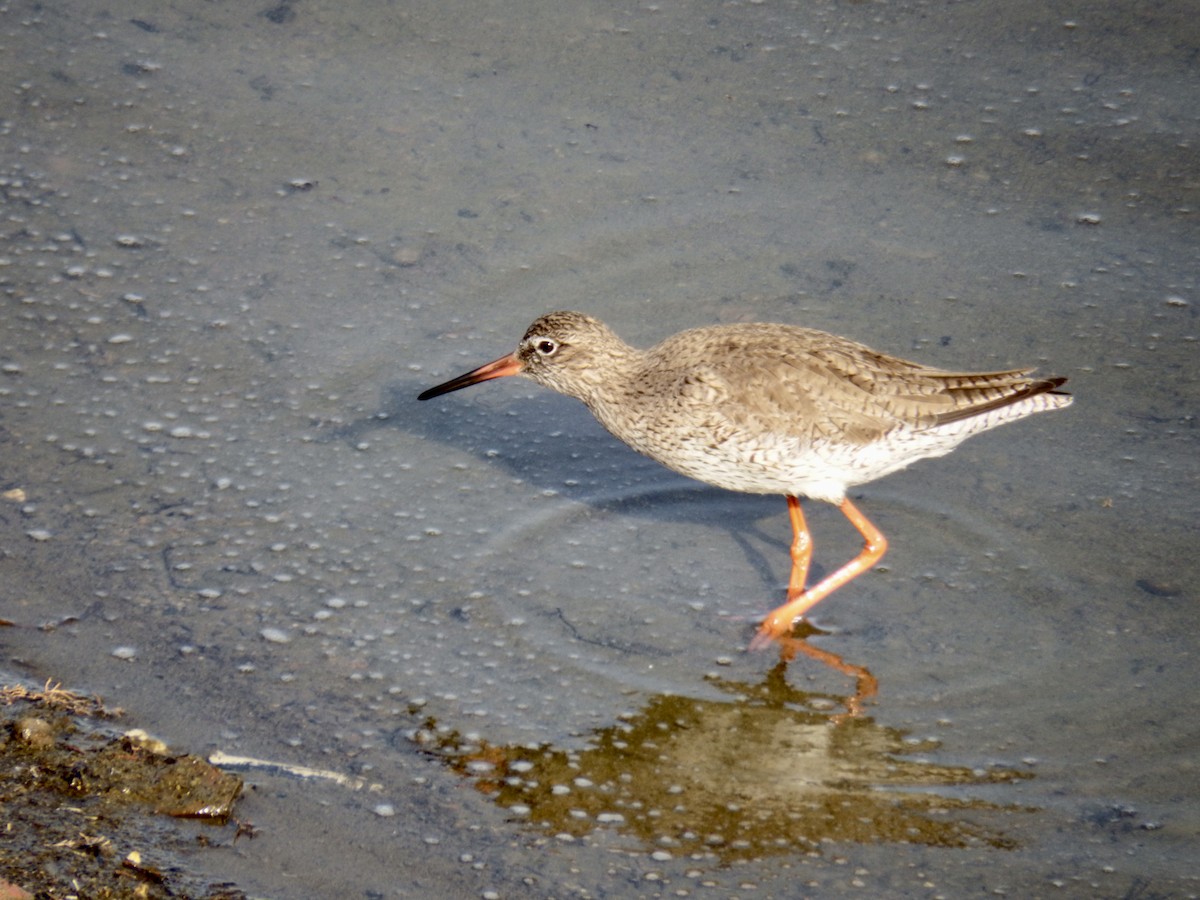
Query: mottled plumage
[(770, 409)]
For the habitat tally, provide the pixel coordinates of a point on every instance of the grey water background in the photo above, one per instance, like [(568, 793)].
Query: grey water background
[(238, 241)]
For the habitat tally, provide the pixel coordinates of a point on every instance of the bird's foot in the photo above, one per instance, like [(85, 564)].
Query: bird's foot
[(774, 628), (786, 622)]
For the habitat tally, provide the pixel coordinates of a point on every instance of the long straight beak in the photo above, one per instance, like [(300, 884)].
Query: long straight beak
[(505, 365)]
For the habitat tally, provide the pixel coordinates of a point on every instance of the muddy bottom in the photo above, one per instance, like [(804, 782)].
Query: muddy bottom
[(93, 812)]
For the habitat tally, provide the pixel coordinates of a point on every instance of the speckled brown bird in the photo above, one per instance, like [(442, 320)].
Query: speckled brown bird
[(771, 409)]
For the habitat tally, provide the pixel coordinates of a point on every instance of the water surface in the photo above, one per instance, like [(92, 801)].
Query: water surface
[(239, 241)]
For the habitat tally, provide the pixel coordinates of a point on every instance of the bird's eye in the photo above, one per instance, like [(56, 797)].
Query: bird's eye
[(546, 347)]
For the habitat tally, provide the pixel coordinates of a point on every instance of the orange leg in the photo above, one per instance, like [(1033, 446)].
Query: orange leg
[(802, 548), (778, 622)]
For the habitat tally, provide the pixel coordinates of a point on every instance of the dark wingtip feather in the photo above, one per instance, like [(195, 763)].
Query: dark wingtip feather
[(1056, 382), (1032, 389)]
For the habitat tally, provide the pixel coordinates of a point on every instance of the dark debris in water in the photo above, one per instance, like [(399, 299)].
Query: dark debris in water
[(81, 804)]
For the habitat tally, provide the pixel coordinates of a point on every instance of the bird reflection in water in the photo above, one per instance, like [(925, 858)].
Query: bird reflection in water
[(765, 770), (866, 685)]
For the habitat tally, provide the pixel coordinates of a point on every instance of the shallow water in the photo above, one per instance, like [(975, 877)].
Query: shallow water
[(237, 243)]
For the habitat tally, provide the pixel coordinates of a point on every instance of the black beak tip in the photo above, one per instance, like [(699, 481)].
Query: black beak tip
[(436, 391), (456, 384)]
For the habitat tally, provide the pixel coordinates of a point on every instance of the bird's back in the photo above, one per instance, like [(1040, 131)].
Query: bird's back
[(769, 408)]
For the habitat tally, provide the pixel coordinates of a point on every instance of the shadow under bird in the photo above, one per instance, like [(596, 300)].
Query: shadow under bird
[(771, 409)]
